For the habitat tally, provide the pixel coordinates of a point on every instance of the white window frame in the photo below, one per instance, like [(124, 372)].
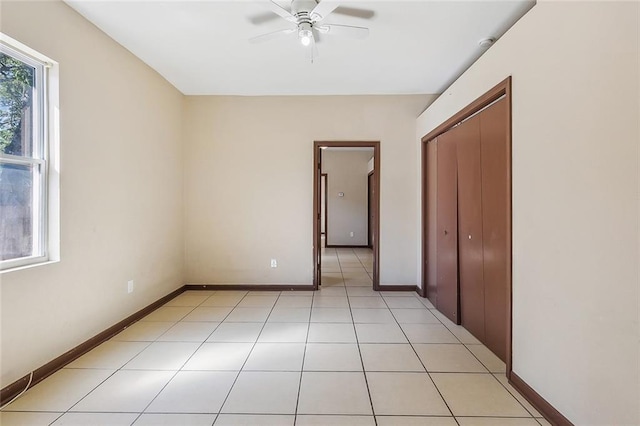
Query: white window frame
[(45, 208)]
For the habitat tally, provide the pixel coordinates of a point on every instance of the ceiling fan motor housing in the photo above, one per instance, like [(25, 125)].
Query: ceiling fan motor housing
[(307, 15), (301, 9)]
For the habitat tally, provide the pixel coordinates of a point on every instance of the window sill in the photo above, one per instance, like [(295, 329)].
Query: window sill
[(28, 266)]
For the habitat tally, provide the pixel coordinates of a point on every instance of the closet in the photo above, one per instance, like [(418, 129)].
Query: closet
[(467, 215)]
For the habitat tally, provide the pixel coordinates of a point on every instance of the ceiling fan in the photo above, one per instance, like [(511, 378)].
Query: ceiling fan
[(307, 22)]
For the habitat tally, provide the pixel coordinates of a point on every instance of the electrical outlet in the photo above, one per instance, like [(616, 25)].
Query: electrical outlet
[(130, 286), (274, 263), (351, 234)]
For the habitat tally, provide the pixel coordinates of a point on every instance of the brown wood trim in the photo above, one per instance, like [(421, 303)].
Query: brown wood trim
[(387, 287), (346, 246), (554, 416), (502, 88), (376, 215), (253, 287), (509, 365), (422, 291), (317, 169), (371, 173), (326, 205), (348, 144), (316, 208), (9, 392)]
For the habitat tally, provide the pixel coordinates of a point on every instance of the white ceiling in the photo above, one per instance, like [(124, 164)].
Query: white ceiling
[(201, 47)]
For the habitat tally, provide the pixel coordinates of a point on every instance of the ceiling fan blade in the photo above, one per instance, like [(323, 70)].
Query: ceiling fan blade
[(354, 12), (324, 8), (262, 18), (279, 10), (270, 36), (316, 36), (345, 30)]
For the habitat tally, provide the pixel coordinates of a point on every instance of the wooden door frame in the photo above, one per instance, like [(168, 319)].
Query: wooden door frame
[(326, 202), (498, 91), (372, 172), (317, 148)]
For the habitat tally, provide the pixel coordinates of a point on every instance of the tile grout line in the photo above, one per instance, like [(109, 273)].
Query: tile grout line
[(370, 284), (363, 267), (481, 363), (56, 419), (181, 320), (419, 359), (191, 356), (304, 355), (364, 371), (513, 396), (148, 343), (120, 368), (116, 370), (247, 359), (460, 372), (273, 307)]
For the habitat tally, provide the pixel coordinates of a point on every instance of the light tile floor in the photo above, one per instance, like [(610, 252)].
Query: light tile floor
[(344, 355)]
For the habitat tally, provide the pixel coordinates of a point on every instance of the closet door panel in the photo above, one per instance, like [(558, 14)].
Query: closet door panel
[(495, 208), (432, 230), (447, 229), (472, 304)]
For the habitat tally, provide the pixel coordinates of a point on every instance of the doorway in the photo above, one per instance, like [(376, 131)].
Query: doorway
[(350, 250)]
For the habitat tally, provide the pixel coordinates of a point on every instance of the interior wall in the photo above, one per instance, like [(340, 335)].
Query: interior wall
[(575, 201), (120, 192), (249, 181), (348, 174)]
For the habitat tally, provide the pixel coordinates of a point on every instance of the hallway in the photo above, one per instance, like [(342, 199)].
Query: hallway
[(351, 267)]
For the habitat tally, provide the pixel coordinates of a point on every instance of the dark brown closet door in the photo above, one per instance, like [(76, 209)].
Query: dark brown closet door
[(495, 208), (472, 314), (432, 230), (447, 229)]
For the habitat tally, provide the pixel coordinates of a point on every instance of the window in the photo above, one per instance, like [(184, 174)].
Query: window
[(24, 158)]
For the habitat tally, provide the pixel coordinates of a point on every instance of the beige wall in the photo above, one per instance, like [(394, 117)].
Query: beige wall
[(121, 192), (249, 179), (347, 173), (247, 188), (575, 201)]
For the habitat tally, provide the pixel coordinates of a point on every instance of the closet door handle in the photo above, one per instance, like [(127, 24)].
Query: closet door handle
[(446, 232)]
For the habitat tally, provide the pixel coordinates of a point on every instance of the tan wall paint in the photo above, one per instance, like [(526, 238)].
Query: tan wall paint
[(249, 178), (347, 173), (575, 201), (121, 192)]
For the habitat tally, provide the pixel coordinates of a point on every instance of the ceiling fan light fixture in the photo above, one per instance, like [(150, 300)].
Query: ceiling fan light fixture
[(304, 34), (305, 37), (307, 16)]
